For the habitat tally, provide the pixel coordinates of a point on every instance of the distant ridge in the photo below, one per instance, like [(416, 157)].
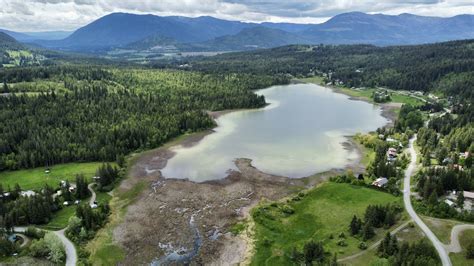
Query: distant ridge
[(120, 30)]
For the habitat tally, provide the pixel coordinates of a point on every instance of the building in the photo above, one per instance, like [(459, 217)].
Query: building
[(27, 193), (449, 202), (468, 195), (380, 182)]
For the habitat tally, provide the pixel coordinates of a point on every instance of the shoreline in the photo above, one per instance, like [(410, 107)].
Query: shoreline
[(169, 204)]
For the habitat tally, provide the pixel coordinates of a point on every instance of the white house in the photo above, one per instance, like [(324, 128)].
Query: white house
[(380, 182)]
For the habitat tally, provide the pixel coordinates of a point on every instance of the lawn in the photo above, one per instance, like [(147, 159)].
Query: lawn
[(323, 211), (36, 178), (440, 227), (460, 258), (60, 218)]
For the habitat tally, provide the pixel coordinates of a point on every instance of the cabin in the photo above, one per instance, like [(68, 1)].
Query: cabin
[(449, 202), (27, 193), (380, 182), (468, 195)]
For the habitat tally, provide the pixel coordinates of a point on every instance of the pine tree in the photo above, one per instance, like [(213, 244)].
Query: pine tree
[(5, 87), (460, 199), (355, 226), (367, 231)]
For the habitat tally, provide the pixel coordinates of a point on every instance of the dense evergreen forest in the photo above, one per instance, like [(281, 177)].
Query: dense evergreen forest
[(420, 67), (100, 114)]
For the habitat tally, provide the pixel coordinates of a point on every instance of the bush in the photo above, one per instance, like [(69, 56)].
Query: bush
[(287, 210), (362, 245), (50, 247), (342, 243), (34, 233)]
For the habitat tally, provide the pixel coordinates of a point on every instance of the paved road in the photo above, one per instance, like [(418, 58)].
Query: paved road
[(406, 198), (455, 246), (374, 245), (71, 254), (94, 196)]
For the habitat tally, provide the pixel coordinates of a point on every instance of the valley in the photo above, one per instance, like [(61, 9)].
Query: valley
[(228, 134)]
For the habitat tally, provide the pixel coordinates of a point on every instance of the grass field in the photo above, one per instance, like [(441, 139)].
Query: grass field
[(36, 178), (60, 218), (459, 259), (324, 211), (440, 227), (366, 94)]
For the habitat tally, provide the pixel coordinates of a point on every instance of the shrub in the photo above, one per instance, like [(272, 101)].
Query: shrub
[(287, 210), (362, 245)]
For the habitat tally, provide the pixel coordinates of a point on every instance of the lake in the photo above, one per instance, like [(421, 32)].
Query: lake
[(300, 132)]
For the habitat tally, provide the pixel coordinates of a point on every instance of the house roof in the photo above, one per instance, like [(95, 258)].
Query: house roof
[(468, 194)]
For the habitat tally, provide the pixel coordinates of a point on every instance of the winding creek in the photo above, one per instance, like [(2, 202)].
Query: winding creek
[(301, 132)]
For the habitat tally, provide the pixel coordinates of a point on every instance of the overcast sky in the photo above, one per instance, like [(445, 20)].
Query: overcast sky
[(42, 15)]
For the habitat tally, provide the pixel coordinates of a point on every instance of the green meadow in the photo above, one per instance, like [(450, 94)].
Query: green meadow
[(321, 214), (37, 177)]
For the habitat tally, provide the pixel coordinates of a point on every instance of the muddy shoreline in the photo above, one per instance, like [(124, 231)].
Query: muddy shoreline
[(176, 221)]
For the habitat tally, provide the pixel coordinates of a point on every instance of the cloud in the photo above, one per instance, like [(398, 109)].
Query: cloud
[(38, 15)]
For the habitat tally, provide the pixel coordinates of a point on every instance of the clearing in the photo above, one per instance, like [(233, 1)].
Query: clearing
[(322, 214), (36, 178)]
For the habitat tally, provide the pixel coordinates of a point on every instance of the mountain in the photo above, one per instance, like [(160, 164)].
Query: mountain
[(45, 35), (379, 29), (13, 53), (7, 42), (32, 36), (143, 32), (17, 35), (122, 29), (253, 38)]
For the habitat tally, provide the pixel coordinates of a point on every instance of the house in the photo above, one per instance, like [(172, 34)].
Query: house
[(94, 205), (96, 178), (449, 202), (468, 195), (463, 155), (66, 203), (447, 161), (380, 182), (27, 193)]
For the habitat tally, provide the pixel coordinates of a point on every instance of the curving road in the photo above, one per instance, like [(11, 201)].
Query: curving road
[(407, 200), (374, 245), (455, 246), (94, 196), (71, 254)]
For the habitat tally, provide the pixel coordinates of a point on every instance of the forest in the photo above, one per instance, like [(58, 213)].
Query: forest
[(418, 67), (105, 113)]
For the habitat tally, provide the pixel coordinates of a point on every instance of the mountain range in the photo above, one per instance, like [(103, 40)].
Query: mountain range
[(145, 32)]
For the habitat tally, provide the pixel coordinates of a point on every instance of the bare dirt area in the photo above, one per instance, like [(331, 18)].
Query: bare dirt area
[(179, 221)]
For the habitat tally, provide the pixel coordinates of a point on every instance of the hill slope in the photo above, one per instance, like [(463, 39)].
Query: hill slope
[(253, 38), (13, 53), (208, 33), (379, 29)]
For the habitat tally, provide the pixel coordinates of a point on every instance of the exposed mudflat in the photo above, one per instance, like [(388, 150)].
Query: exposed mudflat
[(179, 221), (176, 221)]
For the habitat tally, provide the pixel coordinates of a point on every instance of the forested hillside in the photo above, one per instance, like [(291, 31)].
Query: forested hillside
[(99, 114), (420, 67)]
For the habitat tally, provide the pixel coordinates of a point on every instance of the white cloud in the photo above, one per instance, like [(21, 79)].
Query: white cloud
[(37, 15)]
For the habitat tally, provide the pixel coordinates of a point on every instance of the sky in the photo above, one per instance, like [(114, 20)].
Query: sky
[(51, 15)]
